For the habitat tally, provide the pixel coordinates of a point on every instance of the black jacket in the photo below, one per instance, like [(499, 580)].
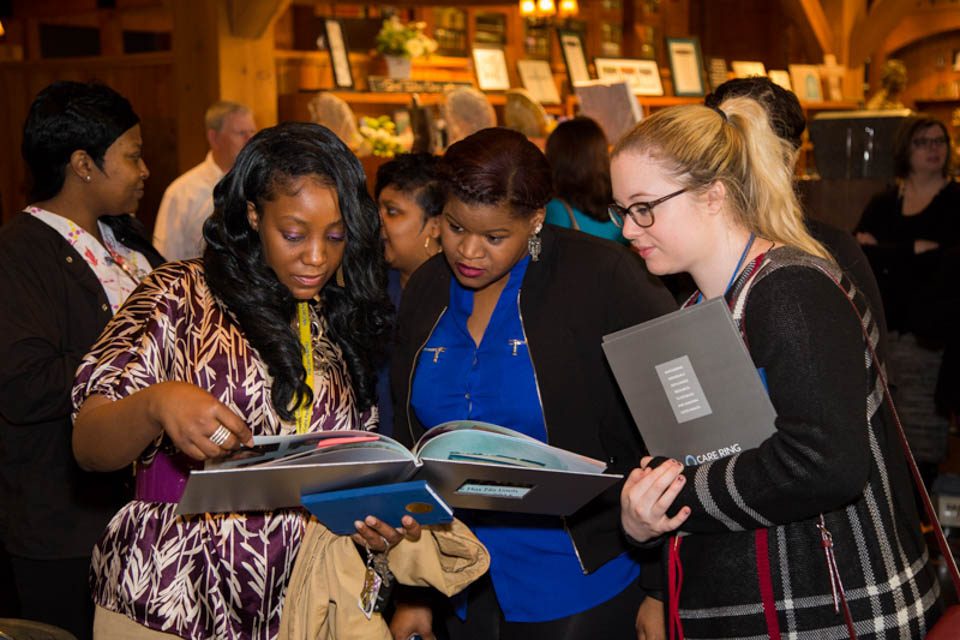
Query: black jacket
[(581, 289), (53, 309)]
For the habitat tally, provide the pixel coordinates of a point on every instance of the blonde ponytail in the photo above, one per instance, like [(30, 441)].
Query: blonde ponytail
[(736, 146)]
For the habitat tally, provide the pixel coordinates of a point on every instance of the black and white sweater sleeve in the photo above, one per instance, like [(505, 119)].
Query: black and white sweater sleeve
[(803, 333)]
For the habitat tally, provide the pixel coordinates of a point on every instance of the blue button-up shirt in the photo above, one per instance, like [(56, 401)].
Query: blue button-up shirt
[(533, 564)]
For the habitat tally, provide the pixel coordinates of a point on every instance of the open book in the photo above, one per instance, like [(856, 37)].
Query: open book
[(470, 464)]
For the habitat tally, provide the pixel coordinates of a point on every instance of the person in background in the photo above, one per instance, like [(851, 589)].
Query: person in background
[(206, 354), (188, 201), (822, 510), (67, 263), (505, 326), (410, 199), (788, 122), (909, 231), (580, 165)]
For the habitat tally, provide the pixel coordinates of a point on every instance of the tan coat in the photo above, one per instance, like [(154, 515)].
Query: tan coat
[(324, 591)]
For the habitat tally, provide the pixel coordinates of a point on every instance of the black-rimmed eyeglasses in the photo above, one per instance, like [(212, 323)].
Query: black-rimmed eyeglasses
[(640, 212)]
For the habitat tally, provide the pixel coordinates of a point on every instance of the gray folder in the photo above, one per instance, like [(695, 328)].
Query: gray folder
[(691, 385)]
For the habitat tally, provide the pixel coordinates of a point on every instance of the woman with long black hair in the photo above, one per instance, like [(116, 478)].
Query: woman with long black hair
[(209, 352)]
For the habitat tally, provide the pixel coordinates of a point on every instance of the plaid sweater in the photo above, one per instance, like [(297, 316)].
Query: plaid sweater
[(835, 452)]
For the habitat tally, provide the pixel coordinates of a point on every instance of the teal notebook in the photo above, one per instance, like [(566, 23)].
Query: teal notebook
[(338, 510)]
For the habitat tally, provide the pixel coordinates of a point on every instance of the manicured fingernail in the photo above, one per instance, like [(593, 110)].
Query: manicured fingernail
[(371, 521), (358, 525)]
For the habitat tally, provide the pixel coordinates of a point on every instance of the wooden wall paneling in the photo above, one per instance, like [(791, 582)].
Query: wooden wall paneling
[(196, 75), (214, 64)]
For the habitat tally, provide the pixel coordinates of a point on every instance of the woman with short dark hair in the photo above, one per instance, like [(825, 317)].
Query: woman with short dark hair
[(66, 266), (505, 326), (208, 353)]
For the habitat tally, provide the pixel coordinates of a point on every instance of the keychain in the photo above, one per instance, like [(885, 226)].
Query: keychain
[(378, 582)]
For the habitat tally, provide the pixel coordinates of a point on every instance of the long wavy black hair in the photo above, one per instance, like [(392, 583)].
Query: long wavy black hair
[(357, 313)]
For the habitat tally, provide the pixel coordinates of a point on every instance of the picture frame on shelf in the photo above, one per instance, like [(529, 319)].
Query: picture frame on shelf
[(806, 82), (537, 78), (686, 66), (336, 45), (574, 59), (748, 68), (781, 78), (490, 66), (642, 76), (717, 72)]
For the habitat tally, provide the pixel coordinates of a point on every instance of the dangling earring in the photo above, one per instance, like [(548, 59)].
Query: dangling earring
[(534, 244), (339, 277)]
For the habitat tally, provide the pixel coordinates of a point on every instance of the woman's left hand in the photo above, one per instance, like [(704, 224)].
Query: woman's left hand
[(647, 495), (378, 536)]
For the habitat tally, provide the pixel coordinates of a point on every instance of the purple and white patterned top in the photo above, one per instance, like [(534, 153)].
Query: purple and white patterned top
[(211, 575)]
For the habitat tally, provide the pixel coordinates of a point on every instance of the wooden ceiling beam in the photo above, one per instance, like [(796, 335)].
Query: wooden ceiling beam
[(872, 28), (817, 19), (251, 18), (919, 25)]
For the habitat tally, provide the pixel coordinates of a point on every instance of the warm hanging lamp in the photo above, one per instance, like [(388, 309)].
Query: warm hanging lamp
[(528, 8), (568, 8), (546, 8)]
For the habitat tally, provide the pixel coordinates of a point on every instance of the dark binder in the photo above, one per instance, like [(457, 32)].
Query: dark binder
[(691, 385)]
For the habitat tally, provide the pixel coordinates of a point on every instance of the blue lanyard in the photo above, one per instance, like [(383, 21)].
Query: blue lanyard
[(736, 270)]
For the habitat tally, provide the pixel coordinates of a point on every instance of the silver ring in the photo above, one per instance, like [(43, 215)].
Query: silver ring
[(386, 545), (220, 436)]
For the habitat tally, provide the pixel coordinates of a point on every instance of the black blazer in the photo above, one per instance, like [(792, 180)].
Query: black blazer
[(581, 289), (53, 309)]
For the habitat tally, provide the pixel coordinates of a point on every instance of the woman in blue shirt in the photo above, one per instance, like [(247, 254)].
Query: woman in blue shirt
[(506, 327), (577, 153)]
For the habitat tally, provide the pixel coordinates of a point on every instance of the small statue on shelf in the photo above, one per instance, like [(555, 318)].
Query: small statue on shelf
[(893, 79)]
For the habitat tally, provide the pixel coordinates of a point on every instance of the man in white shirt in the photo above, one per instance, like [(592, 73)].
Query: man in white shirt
[(188, 201)]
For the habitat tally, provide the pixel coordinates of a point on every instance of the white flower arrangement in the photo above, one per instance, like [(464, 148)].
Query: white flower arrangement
[(404, 40), (380, 136)]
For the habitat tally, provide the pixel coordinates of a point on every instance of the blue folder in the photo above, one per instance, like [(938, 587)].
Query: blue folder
[(338, 510)]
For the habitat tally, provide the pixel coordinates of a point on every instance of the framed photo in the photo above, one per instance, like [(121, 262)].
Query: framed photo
[(686, 66), (748, 69), (339, 58), (806, 82), (537, 78), (573, 57), (490, 65), (717, 72), (781, 77), (642, 76)]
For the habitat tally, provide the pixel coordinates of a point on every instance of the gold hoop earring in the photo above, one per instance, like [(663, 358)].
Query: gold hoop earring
[(426, 247)]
